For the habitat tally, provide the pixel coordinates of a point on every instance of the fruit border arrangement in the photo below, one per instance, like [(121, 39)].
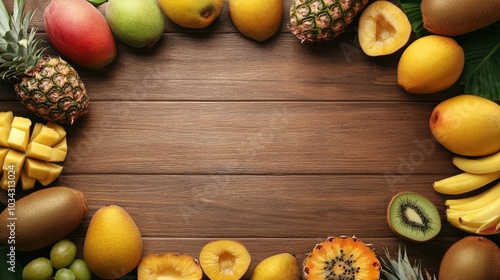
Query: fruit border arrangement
[(51, 89)]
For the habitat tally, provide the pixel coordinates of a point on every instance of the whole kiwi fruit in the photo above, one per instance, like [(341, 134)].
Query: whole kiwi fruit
[(471, 258), (42, 218), (457, 17)]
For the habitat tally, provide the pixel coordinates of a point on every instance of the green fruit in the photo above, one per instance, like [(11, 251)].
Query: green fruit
[(80, 269), (413, 217), (64, 274), (62, 253), (457, 17), (137, 23), (38, 269), (472, 257), (44, 217)]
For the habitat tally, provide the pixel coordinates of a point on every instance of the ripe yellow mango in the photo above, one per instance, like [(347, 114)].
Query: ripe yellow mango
[(282, 266), (256, 19)]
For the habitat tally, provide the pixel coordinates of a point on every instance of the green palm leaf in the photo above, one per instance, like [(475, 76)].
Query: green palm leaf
[(481, 74)]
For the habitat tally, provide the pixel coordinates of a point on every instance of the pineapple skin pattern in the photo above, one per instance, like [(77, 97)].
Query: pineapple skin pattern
[(53, 91), (322, 20), (47, 86)]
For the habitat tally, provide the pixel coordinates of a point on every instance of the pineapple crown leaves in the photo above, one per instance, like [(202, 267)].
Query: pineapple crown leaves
[(401, 268), (19, 51)]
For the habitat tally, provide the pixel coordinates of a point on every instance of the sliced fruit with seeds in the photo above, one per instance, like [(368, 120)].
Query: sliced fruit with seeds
[(169, 266), (413, 217), (339, 258)]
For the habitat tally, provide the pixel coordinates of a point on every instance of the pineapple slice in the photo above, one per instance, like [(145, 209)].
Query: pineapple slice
[(30, 153)]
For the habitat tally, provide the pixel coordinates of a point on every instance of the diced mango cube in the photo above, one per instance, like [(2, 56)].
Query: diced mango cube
[(62, 145), (3, 153), (21, 123), (36, 168), (36, 130), (27, 182), (4, 137), (12, 165), (58, 155), (39, 151), (54, 172), (6, 119), (18, 139), (47, 136), (60, 130)]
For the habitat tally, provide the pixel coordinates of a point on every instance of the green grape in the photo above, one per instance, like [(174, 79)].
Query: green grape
[(62, 253), (80, 269), (64, 274), (38, 269)]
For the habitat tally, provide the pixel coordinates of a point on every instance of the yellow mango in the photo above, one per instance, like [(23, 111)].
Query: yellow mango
[(36, 130), (58, 155), (61, 145), (4, 137), (6, 119), (18, 139), (36, 169), (12, 165), (21, 123), (58, 128), (54, 172), (27, 182), (47, 136), (39, 151)]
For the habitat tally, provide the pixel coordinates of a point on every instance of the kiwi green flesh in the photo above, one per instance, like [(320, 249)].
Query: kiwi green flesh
[(413, 217)]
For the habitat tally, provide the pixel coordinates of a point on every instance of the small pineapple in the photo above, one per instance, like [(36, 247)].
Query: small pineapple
[(401, 268), (322, 20), (47, 86)]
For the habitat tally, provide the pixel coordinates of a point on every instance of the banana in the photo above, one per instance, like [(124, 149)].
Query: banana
[(483, 215), (490, 226), (464, 182), (457, 224), (482, 165), (476, 201)]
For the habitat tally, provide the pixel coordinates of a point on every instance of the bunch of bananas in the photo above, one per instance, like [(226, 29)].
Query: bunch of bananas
[(480, 213)]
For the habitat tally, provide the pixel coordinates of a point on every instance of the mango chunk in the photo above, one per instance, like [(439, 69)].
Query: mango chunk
[(21, 123), (36, 169), (12, 165), (4, 137), (60, 130), (46, 136), (36, 130), (61, 145), (54, 172), (6, 119), (3, 153), (58, 155), (39, 151), (18, 139), (27, 182)]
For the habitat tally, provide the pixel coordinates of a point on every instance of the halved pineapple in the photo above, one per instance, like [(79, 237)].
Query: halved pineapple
[(169, 266), (29, 153)]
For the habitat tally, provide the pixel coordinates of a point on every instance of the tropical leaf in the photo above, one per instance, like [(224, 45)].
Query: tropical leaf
[(97, 2), (481, 74)]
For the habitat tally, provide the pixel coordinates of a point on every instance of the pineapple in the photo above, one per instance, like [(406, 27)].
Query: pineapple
[(401, 269), (47, 86), (322, 20)]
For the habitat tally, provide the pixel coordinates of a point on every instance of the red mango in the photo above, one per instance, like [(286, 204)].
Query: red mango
[(80, 32)]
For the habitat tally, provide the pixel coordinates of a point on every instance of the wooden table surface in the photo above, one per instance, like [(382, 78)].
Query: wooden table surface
[(210, 135)]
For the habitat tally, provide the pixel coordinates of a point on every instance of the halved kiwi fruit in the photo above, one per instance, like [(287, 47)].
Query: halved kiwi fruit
[(413, 217)]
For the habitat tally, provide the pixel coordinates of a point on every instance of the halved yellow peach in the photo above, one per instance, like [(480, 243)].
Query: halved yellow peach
[(383, 29)]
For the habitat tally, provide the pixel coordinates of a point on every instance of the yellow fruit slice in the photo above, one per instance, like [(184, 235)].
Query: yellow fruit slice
[(30, 152)]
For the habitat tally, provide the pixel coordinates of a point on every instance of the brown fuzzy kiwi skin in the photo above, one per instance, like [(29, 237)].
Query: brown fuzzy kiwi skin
[(458, 17), (42, 218), (472, 257), (390, 224)]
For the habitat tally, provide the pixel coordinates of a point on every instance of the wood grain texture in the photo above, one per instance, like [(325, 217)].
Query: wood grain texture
[(210, 135)]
